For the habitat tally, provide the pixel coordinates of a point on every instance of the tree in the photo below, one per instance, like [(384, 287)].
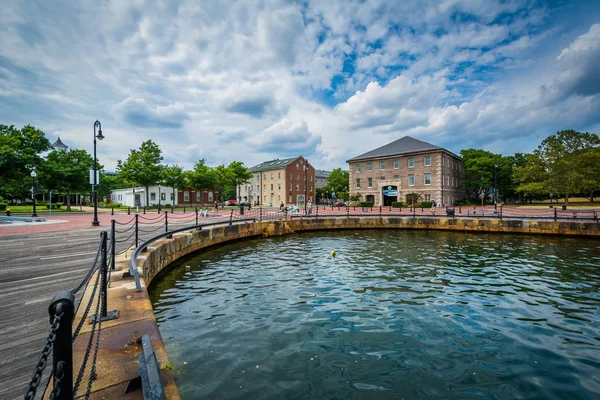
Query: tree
[(338, 181), (66, 172), (239, 174), (108, 183), (174, 176), (223, 177), (142, 167), (478, 171), (588, 162), (559, 164), (20, 153), (202, 176)]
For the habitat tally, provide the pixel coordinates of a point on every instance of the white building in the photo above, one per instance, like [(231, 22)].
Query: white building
[(136, 197)]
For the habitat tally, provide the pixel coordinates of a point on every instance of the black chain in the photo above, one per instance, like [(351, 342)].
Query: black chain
[(41, 365), (89, 346), (87, 309), (93, 371), (58, 377)]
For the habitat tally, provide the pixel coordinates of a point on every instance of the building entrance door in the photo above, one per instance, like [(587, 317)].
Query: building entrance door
[(138, 202), (390, 195)]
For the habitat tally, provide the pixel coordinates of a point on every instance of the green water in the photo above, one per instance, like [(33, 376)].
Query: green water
[(397, 314)]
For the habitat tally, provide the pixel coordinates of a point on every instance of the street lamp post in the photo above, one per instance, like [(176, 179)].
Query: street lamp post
[(33, 175), (159, 198), (305, 184), (97, 124), (495, 186)]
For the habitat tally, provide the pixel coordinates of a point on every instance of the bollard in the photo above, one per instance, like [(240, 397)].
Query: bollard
[(112, 245), (231, 217), (459, 210), (136, 229), (112, 211), (128, 211), (317, 214), (158, 210), (172, 209), (347, 211), (555, 214), (166, 221), (421, 208), (144, 210), (184, 210), (390, 208), (62, 349), (379, 212), (260, 215), (196, 216), (500, 215)]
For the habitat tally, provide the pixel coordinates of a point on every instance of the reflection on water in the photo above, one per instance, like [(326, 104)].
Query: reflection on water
[(397, 314)]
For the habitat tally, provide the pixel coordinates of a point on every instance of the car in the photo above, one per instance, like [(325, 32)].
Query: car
[(245, 203), (231, 202), (339, 204), (292, 208)]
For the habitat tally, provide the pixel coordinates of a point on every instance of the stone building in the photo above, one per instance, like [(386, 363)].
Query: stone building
[(289, 180), (321, 178), (407, 165)]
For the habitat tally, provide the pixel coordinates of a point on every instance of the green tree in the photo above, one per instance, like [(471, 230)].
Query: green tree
[(588, 162), (558, 165), (109, 183), (223, 178), (202, 177), (174, 176), (239, 174), (142, 167), (66, 172), (20, 152), (478, 172), (338, 181)]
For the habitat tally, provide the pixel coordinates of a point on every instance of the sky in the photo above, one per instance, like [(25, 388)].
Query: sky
[(327, 79)]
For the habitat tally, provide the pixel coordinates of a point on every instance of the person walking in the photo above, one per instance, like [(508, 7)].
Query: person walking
[(216, 206), (309, 207)]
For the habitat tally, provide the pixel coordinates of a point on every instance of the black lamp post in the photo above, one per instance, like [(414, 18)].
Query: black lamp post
[(551, 194), (159, 198), (305, 184), (33, 175), (495, 186), (95, 222)]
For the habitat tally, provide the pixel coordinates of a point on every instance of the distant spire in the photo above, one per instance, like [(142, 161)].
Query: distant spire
[(59, 145)]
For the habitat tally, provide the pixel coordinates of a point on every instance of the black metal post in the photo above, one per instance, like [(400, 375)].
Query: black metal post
[(347, 211), (128, 210), (495, 186), (500, 215), (166, 221), (62, 349), (196, 216), (136, 229), (260, 215), (231, 217), (555, 214), (112, 211), (113, 242), (317, 214), (97, 124), (144, 208), (379, 212), (104, 314), (33, 175)]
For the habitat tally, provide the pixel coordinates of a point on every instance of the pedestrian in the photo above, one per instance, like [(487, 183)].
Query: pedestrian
[(216, 206), (281, 207), (309, 207)]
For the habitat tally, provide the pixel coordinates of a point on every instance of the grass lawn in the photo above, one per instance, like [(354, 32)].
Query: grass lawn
[(39, 209)]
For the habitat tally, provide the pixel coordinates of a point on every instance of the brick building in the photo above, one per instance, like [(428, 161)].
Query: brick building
[(289, 180), (321, 178), (407, 165), (196, 197)]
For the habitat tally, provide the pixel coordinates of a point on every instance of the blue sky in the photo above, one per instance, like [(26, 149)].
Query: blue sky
[(255, 80)]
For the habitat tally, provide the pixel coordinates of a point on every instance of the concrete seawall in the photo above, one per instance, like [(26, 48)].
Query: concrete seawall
[(119, 348)]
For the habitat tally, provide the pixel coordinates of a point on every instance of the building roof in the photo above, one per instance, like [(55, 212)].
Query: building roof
[(320, 173), (404, 145), (59, 145), (272, 164)]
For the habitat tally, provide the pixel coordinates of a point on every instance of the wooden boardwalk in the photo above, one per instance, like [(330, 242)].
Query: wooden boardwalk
[(33, 268)]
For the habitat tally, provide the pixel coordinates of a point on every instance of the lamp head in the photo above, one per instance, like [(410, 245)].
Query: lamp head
[(99, 135), (33, 174)]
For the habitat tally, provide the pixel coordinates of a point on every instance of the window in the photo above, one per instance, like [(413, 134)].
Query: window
[(290, 186), (278, 197), (271, 176), (427, 161), (279, 175), (310, 188), (443, 161), (279, 186), (257, 188), (290, 198), (369, 166), (396, 164), (358, 183), (265, 177), (265, 188), (428, 179), (297, 186), (396, 177), (210, 197), (152, 196), (411, 180), (357, 167), (290, 177), (297, 167), (370, 182), (198, 194), (310, 179), (271, 186), (427, 197), (381, 165), (172, 196), (297, 177), (411, 162), (304, 187), (186, 196)]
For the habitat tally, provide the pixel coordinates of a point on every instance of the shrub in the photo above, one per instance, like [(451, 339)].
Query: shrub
[(2, 206), (166, 205), (397, 204), (55, 206), (366, 204), (426, 204)]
